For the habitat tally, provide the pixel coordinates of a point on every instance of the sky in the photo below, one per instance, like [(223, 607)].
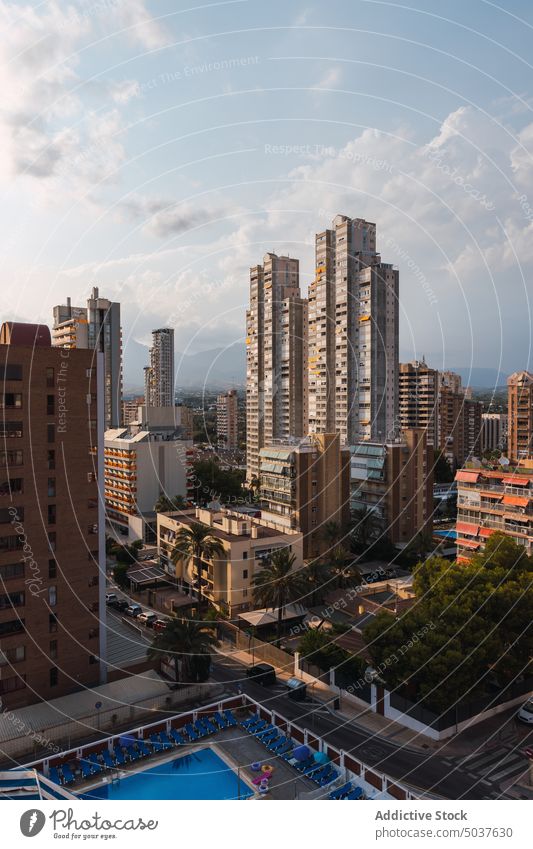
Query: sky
[(158, 149)]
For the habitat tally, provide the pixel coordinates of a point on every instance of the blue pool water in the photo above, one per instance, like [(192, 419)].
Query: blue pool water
[(200, 775), (446, 534)]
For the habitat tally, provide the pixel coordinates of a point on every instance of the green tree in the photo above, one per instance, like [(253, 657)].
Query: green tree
[(164, 504), (196, 543), (213, 483), (442, 471), (188, 642), (366, 527), (120, 575), (278, 584), (317, 579)]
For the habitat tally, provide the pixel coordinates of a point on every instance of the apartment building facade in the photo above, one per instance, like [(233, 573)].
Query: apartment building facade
[(494, 432), (52, 589), (418, 389), (96, 327), (276, 381), (520, 412), (304, 486), (227, 419), (159, 375), (394, 480), (494, 500), (247, 542)]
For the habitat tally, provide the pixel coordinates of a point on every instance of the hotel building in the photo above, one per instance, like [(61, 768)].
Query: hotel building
[(52, 589), (227, 419)]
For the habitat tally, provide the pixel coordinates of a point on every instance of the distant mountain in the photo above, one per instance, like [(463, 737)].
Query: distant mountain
[(481, 378), (218, 368)]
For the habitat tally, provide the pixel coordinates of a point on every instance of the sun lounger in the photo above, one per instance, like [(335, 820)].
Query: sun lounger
[(341, 791), (54, 776), (355, 794), (210, 725), (108, 760), (256, 729), (283, 749), (178, 738), (229, 716), (253, 719), (119, 755), (133, 753), (143, 748), (200, 729), (309, 763), (191, 732), (86, 769), (264, 732), (275, 744), (331, 775), (220, 720), (68, 775), (202, 723), (156, 743), (165, 739)]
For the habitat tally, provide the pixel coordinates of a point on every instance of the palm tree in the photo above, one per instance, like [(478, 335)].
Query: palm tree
[(277, 584), (196, 542), (319, 575), (366, 527), (164, 504), (332, 533), (188, 641)]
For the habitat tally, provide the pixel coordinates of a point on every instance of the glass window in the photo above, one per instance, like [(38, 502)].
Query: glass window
[(10, 371), (51, 459), (11, 570), (52, 569), (54, 675), (11, 458), (53, 650), (50, 433), (51, 487), (49, 377), (11, 430), (50, 405), (51, 514), (11, 401), (52, 596), (52, 623)]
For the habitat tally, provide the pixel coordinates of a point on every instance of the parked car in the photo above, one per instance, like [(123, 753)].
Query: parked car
[(120, 604), (525, 713), (110, 598), (160, 624), (133, 610), (146, 618), (263, 673)]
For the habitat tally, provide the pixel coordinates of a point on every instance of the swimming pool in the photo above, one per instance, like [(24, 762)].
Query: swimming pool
[(199, 775), (451, 534)]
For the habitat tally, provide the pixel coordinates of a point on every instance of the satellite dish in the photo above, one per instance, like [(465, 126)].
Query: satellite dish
[(503, 461)]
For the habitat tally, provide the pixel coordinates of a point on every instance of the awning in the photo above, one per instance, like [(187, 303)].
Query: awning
[(467, 476), (466, 528), (463, 560), (486, 493), (516, 480), (468, 543), (486, 532), (516, 500)]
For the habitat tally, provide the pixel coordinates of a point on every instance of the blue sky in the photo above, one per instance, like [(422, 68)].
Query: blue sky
[(158, 149)]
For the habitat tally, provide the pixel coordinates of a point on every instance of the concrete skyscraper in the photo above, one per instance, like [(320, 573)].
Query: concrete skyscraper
[(276, 391), (353, 335), (96, 327), (159, 375), (520, 413)]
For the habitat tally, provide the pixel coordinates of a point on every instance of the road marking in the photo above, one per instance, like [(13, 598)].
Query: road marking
[(515, 768)]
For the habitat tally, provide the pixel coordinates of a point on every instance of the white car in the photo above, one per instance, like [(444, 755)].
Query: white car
[(146, 618), (525, 714)]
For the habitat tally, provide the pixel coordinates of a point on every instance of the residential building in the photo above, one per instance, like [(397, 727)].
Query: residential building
[(520, 412), (304, 486), (175, 421), (159, 375), (459, 420), (130, 409), (276, 391), (395, 481), (140, 465), (494, 432), (494, 500), (353, 335), (96, 327), (418, 391), (227, 419), (52, 544), (248, 543)]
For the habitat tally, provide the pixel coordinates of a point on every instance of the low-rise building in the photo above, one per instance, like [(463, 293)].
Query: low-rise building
[(395, 481), (247, 542), (304, 486), (494, 500)]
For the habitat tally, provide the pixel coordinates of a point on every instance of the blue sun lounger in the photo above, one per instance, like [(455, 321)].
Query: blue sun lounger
[(254, 719), (54, 776), (133, 753), (108, 760), (156, 743), (143, 748), (279, 747), (86, 769), (210, 724), (119, 755), (220, 720), (165, 739), (355, 794), (328, 777), (201, 730), (191, 732), (263, 732), (95, 763), (68, 775), (341, 791), (178, 738), (229, 716)]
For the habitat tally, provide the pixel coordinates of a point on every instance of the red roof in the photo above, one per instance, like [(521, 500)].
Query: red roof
[(25, 335)]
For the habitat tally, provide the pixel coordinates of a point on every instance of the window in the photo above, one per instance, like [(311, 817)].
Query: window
[(89, 372), (94, 581), (10, 458), (51, 514), (11, 401), (53, 650), (245, 593), (245, 555), (49, 377), (92, 659), (50, 433), (11, 430), (52, 569), (52, 540), (10, 372), (52, 596), (51, 460), (51, 487), (11, 543), (54, 675), (9, 685), (245, 573), (92, 529), (11, 514), (11, 570), (92, 503), (93, 633), (13, 655), (11, 486), (52, 623), (14, 626), (50, 405), (15, 599)]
